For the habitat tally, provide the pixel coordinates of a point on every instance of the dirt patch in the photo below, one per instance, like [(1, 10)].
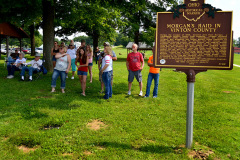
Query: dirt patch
[(100, 148), (200, 154), (87, 153), (5, 138), (26, 149), (67, 154), (228, 92), (96, 125)]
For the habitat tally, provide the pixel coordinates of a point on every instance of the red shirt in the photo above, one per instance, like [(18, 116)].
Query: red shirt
[(84, 69), (135, 60)]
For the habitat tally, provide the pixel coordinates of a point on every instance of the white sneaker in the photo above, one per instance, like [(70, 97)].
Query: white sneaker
[(129, 93), (154, 96), (141, 93), (10, 76), (72, 78)]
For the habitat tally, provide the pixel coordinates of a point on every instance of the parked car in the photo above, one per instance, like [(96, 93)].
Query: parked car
[(24, 50), (3, 51), (29, 50), (39, 50)]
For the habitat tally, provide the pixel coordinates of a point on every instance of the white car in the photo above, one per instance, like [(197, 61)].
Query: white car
[(39, 50), (3, 50)]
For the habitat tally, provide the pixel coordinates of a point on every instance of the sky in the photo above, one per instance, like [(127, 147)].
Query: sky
[(229, 5), (225, 5)]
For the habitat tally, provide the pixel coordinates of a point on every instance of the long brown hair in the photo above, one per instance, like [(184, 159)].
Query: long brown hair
[(84, 56)]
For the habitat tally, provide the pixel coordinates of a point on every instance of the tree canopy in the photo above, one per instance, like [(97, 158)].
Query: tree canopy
[(135, 19)]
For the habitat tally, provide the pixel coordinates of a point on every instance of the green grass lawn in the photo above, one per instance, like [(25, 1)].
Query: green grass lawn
[(57, 126), (237, 59)]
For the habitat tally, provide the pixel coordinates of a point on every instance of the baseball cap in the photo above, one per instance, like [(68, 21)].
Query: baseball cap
[(106, 44)]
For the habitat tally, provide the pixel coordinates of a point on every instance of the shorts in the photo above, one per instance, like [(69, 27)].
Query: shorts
[(82, 73), (90, 64), (73, 65), (53, 58), (100, 76), (137, 74)]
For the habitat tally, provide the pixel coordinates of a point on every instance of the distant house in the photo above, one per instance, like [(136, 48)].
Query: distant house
[(142, 47), (236, 50)]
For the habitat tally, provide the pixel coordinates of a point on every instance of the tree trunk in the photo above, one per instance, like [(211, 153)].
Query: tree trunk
[(32, 38), (95, 40), (48, 32), (136, 37), (7, 46), (136, 32)]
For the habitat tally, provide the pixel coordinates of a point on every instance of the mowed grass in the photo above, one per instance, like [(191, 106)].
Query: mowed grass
[(55, 125)]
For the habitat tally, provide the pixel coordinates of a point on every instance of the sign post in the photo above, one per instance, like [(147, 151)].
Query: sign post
[(193, 38)]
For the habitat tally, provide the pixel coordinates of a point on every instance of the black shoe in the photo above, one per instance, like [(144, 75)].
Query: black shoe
[(21, 79), (30, 80)]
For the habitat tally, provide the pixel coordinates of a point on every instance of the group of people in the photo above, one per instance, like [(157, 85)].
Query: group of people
[(81, 60), (17, 62)]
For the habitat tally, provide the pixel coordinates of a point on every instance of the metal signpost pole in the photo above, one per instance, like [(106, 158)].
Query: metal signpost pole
[(190, 107)]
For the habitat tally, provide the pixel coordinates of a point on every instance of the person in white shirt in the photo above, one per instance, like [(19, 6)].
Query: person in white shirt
[(17, 66), (106, 72), (35, 66), (72, 52)]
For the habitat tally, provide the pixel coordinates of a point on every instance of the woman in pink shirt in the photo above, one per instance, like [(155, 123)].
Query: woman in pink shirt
[(90, 59)]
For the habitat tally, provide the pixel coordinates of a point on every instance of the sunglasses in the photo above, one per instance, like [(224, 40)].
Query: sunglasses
[(70, 45)]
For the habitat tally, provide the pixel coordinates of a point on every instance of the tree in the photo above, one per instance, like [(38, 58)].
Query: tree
[(148, 36), (141, 15), (102, 22), (238, 42), (121, 39), (48, 31), (23, 14), (88, 39)]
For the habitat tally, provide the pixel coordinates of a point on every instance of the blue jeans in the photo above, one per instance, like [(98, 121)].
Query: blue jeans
[(29, 69), (106, 77), (11, 69), (152, 76), (55, 75)]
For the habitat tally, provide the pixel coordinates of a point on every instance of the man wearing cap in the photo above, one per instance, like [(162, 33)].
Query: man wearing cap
[(101, 56), (35, 66)]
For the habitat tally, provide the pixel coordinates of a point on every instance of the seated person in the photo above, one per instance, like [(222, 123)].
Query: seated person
[(16, 66), (35, 66), (11, 59)]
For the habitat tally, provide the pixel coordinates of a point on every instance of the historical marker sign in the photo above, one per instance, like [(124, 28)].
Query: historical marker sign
[(197, 38)]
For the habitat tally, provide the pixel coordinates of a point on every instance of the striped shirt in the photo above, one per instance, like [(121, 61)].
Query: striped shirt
[(107, 60)]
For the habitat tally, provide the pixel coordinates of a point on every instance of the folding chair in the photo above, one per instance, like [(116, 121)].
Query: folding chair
[(38, 74)]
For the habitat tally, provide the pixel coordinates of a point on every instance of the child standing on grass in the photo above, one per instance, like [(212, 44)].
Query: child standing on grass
[(82, 69), (153, 74)]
